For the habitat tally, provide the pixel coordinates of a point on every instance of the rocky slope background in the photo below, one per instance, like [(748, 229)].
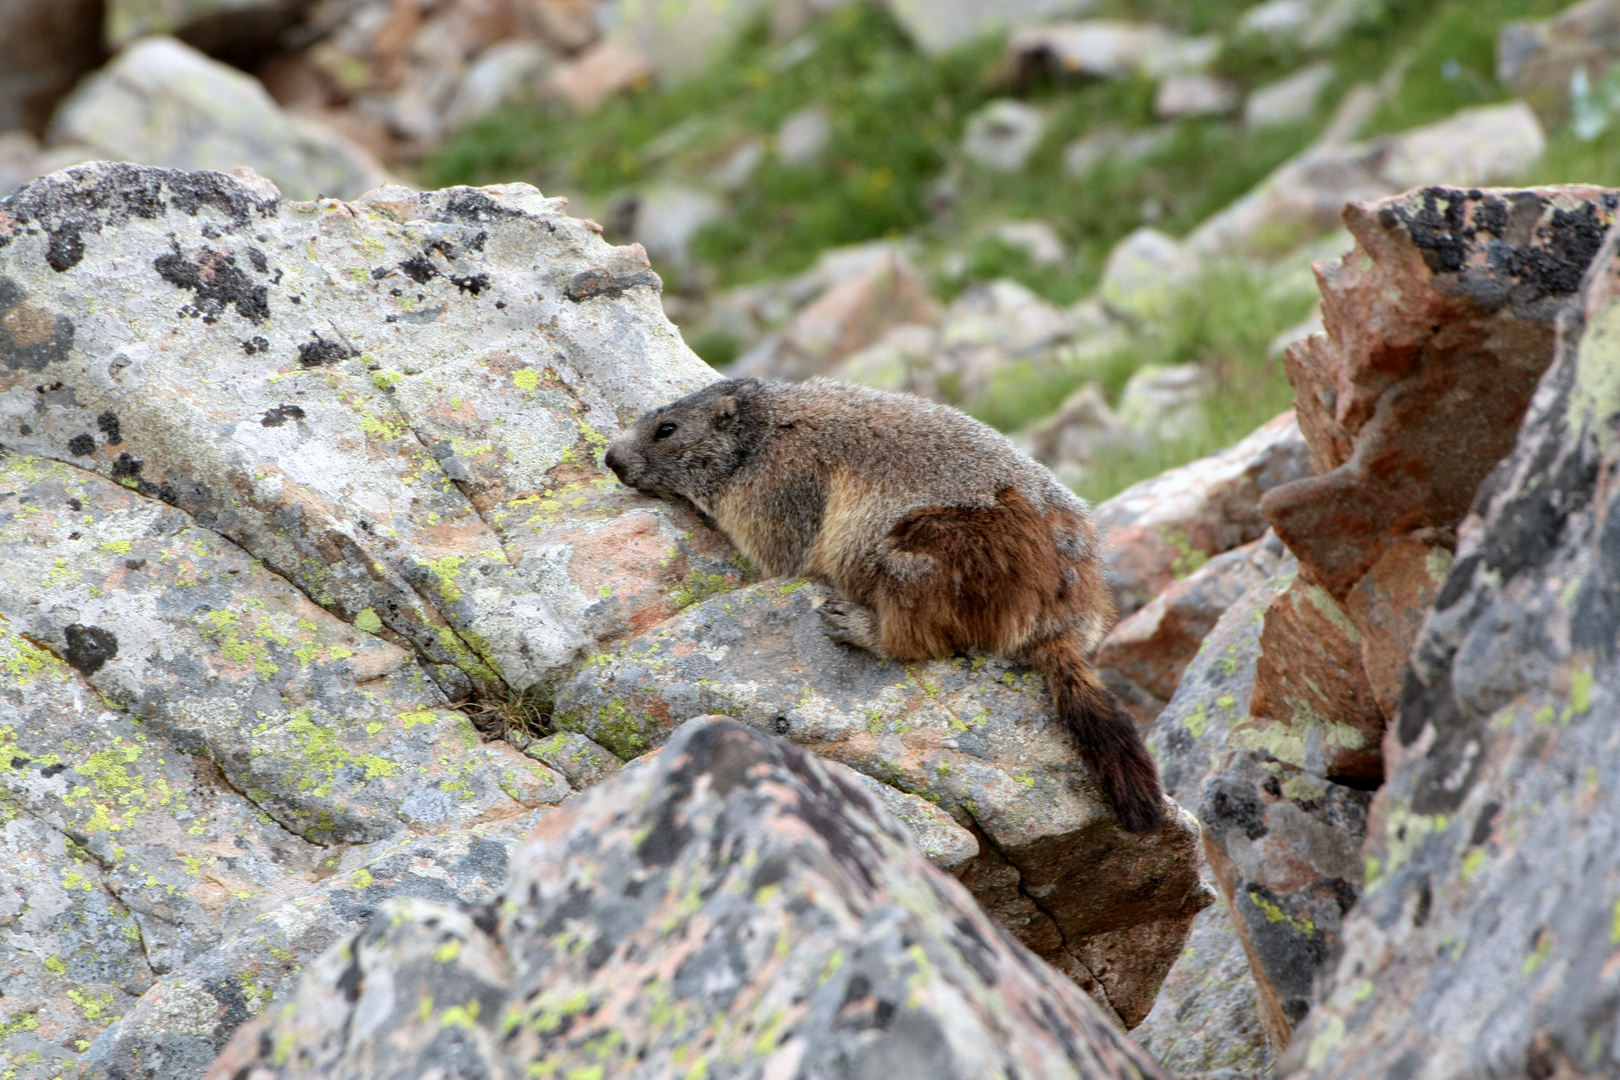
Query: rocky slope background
[(360, 722)]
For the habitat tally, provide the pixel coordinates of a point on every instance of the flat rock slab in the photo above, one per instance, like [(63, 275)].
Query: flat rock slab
[(972, 735), (334, 733), (394, 403), (733, 909)]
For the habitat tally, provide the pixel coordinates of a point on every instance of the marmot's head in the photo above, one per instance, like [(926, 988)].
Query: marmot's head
[(689, 447)]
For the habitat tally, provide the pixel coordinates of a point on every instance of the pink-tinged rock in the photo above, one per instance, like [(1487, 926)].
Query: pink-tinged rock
[(1438, 326), (606, 69), (1163, 529), (1147, 652), (850, 315), (819, 942)]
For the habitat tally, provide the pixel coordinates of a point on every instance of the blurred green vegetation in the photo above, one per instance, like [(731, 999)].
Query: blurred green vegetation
[(892, 167)]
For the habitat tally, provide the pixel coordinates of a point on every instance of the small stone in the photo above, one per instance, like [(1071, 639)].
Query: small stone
[(582, 761), (1291, 100), (606, 69), (1182, 96), (801, 138), (1002, 135), (1142, 274)]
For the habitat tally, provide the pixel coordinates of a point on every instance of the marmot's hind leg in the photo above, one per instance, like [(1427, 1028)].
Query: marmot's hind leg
[(851, 624)]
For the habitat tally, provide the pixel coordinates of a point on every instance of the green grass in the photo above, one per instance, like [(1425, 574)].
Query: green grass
[(897, 123), (1225, 322)]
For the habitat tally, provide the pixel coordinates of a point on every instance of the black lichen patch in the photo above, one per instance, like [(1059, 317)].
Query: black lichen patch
[(107, 424), (598, 281), (82, 445), (217, 281), (469, 204), (260, 263), (30, 337), (419, 268), (320, 351), (255, 344), (474, 283), (65, 248), (127, 465), (281, 414), (1572, 243), (89, 647), (1439, 234), (88, 198)]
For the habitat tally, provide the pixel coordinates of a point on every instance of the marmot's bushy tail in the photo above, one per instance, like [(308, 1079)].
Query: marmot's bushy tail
[(1105, 734)]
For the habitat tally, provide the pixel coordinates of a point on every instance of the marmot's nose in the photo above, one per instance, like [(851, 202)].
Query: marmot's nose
[(614, 459)]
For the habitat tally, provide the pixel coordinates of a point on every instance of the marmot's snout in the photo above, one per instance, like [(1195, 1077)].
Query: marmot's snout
[(615, 459)]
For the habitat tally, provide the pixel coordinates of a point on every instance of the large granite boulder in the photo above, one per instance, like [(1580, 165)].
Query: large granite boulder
[(1438, 327), (396, 404), (973, 734), (160, 102), (732, 908), (1486, 943)]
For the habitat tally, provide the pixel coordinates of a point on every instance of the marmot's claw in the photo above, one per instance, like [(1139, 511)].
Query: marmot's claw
[(835, 617)]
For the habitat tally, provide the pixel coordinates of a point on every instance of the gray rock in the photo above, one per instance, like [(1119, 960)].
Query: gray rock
[(1183, 96), (1036, 239), (939, 26), (1109, 49), (1003, 135), (801, 138), (821, 941), (972, 733), (160, 102), (582, 761), (1289, 100), (1547, 62), (1143, 273), (398, 404), (505, 74), (1485, 941), (665, 218), (1089, 151), (1165, 402)]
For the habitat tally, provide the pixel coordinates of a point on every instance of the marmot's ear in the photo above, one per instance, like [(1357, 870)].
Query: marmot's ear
[(725, 411)]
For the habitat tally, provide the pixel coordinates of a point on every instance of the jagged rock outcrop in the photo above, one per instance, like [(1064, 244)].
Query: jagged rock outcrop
[(1486, 943), (731, 908), (1438, 327), (975, 735)]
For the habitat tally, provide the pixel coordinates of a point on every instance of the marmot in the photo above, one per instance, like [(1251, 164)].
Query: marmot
[(937, 532)]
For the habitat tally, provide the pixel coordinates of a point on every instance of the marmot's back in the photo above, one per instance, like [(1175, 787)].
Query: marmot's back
[(913, 451)]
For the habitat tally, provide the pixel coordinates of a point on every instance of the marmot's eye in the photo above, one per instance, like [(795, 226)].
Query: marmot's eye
[(665, 430)]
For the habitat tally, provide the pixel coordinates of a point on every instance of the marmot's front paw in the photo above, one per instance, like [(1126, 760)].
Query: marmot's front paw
[(848, 623)]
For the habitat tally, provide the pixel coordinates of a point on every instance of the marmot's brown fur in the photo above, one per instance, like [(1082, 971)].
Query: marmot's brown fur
[(937, 532)]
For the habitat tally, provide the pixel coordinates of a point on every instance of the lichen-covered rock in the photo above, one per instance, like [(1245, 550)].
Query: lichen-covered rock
[(397, 404), (1487, 943), (974, 734), (817, 942), (185, 1019), (1163, 529), (1207, 1016), (332, 732)]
